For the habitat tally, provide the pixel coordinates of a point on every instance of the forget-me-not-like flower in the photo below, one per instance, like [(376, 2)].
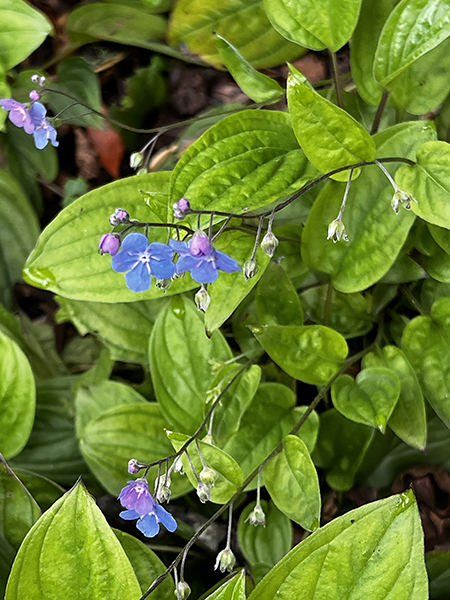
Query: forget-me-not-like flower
[(140, 504), (142, 260), (18, 114), (201, 258), (32, 119)]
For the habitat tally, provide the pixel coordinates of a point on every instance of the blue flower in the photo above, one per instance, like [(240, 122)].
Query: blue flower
[(142, 260), (18, 114), (202, 259), (140, 504), (43, 131)]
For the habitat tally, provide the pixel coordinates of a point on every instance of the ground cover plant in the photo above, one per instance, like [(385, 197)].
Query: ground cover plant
[(225, 300)]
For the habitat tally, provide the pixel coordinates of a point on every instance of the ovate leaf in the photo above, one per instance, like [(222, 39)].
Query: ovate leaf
[(310, 353), (291, 480), (427, 181), (414, 28), (74, 534), (328, 135), (245, 161), (17, 397), (375, 551), (277, 300), (234, 589), (316, 25), (22, 30)]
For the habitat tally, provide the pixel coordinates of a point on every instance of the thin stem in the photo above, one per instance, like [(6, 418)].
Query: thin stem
[(344, 200), (155, 129), (258, 235), (183, 561), (204, 465), (211, 221), (258, 489), (413, 301), (191, 464), (336, 79), (386, 172), (210, 426), (379, 113), (222, 229), (328, 304), (230, 526)]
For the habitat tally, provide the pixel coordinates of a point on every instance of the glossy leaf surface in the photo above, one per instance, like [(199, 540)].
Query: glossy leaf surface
[(234, 589), (277, 301), (291, 480)]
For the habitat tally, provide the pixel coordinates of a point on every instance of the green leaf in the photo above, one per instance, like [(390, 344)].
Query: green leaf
[(376, 234), (428, 183), (22, 30), (277, 414), (291, 480), (92, 401), (408, 419), (438, 567), (66, 259), (76, 78), (349, 313), (414, 28), (264, 546), (370, 398), (146, 565), (316, 25), (310, 353), (234, 589), (124, 328), (73, 534), (17, 397), (52, 450), (426, 343), (375, 551), (234, 404), (276, 298), (257, 86), (229, 473), (244, 24), (20, 228), (122, 24), (43, 490), (245, 161), (18, 512), (364, 44), (231, 288), (180, 355), (340, 448), (127, 431), (328, 135)]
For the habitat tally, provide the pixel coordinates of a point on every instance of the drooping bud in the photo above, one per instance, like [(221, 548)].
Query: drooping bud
[(119, 216), (182, 591), (38, 79), (180, 208), (336, 231), (163, 284), (136, 160), (250, 269), (269, 243), (34, 95), (109, 244), (257, 516), (401, 198), (208, 476), (162, 489), (203, 492), (202, 299), (225, 561), (178, 466)]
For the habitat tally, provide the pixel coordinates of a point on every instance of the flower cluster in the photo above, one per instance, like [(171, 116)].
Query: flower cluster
[(141, 260), (32, 117), (138, 501)]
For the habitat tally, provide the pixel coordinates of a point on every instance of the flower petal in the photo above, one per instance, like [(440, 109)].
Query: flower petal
[(139, 278), (10, 104), (180, 247), (143, 503), (148, 525), (123, 261), (129, 515), (165, 518), (188, 262), (226, 263), (135, 242), (162, 269), (205, 273), (40, 138), (161, 251), (37, 112)]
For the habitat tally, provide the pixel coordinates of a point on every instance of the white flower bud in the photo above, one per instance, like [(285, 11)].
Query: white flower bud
[(257, 516), (336, 231), (136, 160), (204, 492), (250, 269), (202, 299), (208, 476), (183, 591), (269, 243), (225, 561)]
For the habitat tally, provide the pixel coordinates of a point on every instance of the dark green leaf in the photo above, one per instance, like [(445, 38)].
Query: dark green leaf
[(234, 589), (438, 567), (43, 490), (277, 300)]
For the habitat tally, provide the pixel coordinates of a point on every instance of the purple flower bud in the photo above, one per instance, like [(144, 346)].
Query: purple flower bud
[(35, 78), (109, 244), (180, 208), (199, 245), (120, 215), (34, 95), (133, 466)]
